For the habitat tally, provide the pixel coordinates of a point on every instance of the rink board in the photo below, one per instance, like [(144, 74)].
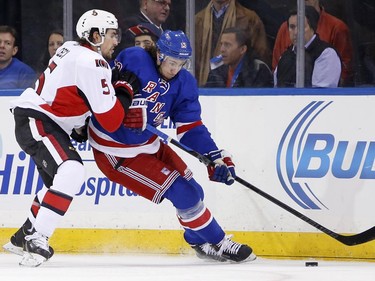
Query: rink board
[(312, 150)]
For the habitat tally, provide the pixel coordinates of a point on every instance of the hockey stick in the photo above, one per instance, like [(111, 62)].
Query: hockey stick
[(349, 240)]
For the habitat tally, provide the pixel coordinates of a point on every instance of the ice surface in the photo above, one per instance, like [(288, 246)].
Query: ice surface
[(131, 267)]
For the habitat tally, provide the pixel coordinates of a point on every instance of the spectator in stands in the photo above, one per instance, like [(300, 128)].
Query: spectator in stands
[(145, 35), (14, 74), (239, 65), (364, 37), (331, 30), (322, 62), (154, 12), (271, 17), (55, 40), (210, 24)]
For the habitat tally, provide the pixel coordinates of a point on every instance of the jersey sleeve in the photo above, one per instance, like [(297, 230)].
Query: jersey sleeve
[(186, 114), (94, 82)]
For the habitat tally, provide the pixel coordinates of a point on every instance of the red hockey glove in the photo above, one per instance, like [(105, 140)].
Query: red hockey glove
[(136, 117), (124, 93), (223, 171)]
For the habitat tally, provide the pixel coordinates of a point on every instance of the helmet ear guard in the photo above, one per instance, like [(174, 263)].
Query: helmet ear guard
[(95, 18), (174, 44)]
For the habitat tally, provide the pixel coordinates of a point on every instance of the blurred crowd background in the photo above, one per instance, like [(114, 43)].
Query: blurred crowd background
[(35, 19)]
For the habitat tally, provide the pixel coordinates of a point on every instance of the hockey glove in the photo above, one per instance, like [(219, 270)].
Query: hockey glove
[(136, 117), (115, 74), (126, 76), (124, 93), (80, 134), (223, 171), (132, 79)]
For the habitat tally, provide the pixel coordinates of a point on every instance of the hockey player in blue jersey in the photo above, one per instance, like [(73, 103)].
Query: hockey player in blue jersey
[(141, 162)]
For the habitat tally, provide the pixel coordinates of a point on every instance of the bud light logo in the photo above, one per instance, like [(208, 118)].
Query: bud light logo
[(320, 149)]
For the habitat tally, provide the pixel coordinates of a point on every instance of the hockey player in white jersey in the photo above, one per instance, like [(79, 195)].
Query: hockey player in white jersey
[(76, 84)]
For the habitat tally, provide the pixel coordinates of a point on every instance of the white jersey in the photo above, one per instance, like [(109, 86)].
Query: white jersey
[(76, 82)]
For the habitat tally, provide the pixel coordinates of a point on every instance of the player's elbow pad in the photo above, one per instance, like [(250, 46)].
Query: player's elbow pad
[(124, 93)]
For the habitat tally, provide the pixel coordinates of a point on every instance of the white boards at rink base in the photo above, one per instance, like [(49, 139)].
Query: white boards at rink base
[(312, 149)]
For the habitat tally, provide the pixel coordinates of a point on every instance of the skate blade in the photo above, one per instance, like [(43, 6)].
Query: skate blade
[(13, 249), (212, 259), (251, 257), (31, 260)]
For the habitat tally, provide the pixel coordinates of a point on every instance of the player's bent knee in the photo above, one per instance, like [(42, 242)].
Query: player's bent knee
[(197, 187), (183, 194), (69, 177)]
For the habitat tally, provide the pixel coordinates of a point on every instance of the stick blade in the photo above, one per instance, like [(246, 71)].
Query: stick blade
[(357, 239)]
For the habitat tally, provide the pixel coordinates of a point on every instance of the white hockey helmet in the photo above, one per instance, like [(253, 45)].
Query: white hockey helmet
[(95, 19)]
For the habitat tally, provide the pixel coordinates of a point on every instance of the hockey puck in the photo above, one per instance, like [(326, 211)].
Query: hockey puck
[(311, 263)]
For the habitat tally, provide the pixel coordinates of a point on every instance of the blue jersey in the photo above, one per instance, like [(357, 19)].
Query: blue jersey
[(176, 99)]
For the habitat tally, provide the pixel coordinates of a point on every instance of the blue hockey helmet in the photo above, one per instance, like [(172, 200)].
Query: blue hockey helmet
[(174, 44)]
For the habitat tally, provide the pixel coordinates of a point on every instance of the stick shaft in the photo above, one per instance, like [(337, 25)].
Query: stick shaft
[(349, 240)]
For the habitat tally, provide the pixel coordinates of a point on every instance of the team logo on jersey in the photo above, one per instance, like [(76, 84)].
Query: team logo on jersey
[(63, 52), (165, 171), (101, 63), (149, 88), (164, 85)]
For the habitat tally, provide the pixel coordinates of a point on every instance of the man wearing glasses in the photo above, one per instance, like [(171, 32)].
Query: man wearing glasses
[(155, 12)]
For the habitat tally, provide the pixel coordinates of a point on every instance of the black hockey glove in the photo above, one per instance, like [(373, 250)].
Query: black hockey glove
[(124, 93), (115, 74), (132, 79), (127, 76), (81, 134), (126, 86)]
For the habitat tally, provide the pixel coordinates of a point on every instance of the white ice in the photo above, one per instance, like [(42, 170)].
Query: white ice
[(131, 267)]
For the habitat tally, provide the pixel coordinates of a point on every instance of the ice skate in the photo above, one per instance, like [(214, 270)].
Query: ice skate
[(225, 250), (36, 250), (17, 240), (234, 251), (208, 251)]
